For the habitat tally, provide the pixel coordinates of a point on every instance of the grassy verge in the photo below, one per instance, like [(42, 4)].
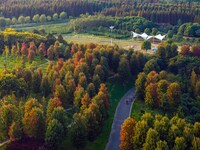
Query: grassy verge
[(13, 62), (116, 92), (139, 108)]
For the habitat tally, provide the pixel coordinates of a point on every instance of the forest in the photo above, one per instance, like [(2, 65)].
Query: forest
[(59, 90)]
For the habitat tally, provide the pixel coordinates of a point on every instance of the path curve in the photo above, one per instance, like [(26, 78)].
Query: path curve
[(122, 112)]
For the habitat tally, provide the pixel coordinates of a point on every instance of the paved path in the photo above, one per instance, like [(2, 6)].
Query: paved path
[(122, 112), (1, 144)]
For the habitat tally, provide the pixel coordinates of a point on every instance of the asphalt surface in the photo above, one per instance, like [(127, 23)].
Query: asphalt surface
[(122, 112)]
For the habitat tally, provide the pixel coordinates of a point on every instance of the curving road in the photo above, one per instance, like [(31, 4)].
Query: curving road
[(122, 112)]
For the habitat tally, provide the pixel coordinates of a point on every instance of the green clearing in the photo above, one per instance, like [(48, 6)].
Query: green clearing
[(88, 38), (53, 27), (12, 62), (139, 108)]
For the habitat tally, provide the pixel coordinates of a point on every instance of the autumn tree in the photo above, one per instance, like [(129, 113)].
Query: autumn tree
[(126, 134), (185, 50), (151, 95), (174, 93), (52, 104), (78, 94), (34, 123), (162, 90)]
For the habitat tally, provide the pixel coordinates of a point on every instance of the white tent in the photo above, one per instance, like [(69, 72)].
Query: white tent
[(147, 37), (160, 37), (144, 36), (135, 35)]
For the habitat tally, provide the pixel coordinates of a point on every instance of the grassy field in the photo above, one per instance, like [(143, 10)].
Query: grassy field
[(139, 108), (13, 62), (123, 43), (61, 28)]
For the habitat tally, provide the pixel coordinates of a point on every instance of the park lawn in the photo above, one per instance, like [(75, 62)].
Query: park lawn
[(139, 108), (13, 62), (102, 40), (49, 27), (116, 92)]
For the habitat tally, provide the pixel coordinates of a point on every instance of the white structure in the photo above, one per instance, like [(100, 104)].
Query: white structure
[(147, 37), (111, 28)]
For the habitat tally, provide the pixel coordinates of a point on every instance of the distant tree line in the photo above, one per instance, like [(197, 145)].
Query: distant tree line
[(155, 10), (35, 19)]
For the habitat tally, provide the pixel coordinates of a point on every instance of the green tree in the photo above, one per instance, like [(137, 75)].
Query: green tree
[(151, 65), (21, 19), (2, 22), (162, 145), (180, 143), (43, 18), (195, 143), (54, 134), (79, 131), (27, 19), (55, 17), (14, 20), (140, 134), (36, 81), (170, 34), (147, 31), (49, 18), (124, 69), (140, 86), (63, 15), (146, 45), (151, 140), (154, 31), (8, 114), (60, 115), (36, 18)]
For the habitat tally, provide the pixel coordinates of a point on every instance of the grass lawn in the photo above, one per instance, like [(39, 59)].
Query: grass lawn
[(139, 108), (50, 27), (13, 62), (88, 38)]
